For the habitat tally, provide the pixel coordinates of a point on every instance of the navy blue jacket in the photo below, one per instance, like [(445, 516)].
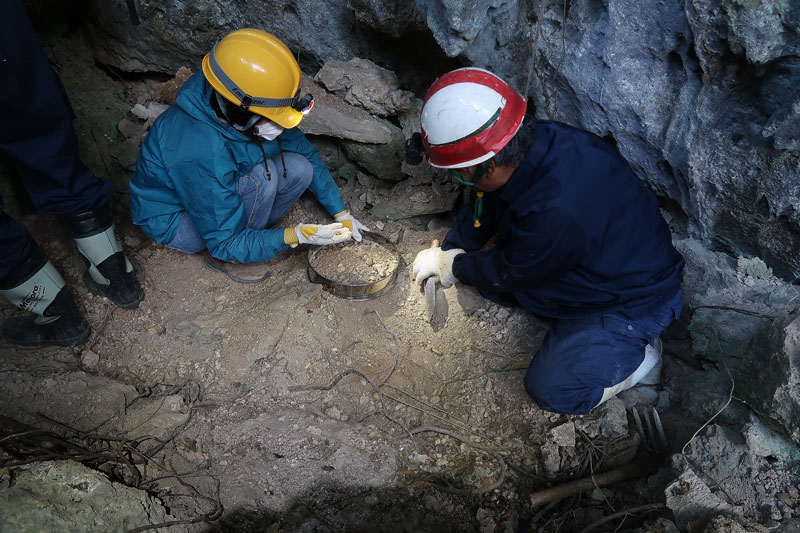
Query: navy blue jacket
[(578, 234)]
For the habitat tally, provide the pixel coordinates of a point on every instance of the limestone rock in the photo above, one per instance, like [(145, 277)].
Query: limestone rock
[(609, 420), (167, 91), (744, 320), (380, 160), (172, 35), (334, 117), (67, 496), (564, 435), (149, 112), (392, 18), (364, 84), (765, 442), (405, 202), (691, 122), (689, 498), (768, 376)]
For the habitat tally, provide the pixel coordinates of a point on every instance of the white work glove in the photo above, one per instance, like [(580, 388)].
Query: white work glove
[(352, 224), (435, 262), (319, 234)]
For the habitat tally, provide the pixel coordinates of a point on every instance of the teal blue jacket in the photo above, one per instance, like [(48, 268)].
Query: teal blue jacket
[(191, 161)]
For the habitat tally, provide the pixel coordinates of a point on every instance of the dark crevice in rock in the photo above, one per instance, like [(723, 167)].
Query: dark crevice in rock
[(414, 57), (134, 77), (609, 137)]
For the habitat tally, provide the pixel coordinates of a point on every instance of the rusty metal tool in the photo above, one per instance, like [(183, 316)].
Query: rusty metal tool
[(436, 303), (430, 288)]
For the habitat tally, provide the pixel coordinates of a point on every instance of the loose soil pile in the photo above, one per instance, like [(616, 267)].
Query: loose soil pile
[(354, 263)]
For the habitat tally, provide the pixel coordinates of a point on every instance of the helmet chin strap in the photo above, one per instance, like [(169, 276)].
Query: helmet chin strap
[(226, 106)]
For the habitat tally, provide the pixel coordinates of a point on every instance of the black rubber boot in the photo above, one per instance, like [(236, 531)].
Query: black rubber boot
[(109, 273), (36, 286), (69, 329), (124, 289)]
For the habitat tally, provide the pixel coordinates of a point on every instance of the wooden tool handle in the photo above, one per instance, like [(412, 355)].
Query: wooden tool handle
[(632, 470)]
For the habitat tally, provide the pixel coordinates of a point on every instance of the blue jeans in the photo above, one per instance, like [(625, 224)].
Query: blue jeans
[(580, 357), (265, 200)]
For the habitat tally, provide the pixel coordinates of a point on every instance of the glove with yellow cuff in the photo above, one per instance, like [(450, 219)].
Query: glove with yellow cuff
[(319, 234), (351, 223)]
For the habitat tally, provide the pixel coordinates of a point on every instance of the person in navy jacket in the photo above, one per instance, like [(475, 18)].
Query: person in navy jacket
[(37, 138), (579, 239)]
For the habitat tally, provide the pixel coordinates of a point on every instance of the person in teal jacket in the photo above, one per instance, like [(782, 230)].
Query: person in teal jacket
[(226, 162)]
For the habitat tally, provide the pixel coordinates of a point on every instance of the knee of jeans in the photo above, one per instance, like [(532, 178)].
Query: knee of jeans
[(298, 168), (194, 247), (259, 180), (187, 244)]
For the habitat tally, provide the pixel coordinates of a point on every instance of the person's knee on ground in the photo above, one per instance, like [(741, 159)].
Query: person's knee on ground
[(549, 392), (36, 286), (268, 192), (584, 362), (109, 273), (554, 390)]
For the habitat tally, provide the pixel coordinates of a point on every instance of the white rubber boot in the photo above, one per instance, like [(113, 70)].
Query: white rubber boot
[(654, 376), (647, 373), (37, 287)]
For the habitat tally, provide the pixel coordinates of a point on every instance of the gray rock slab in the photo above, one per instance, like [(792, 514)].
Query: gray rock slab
[(384, 161), (689, 498), (765, 442), (171, 35), (334, 117), (564, 435), (743, 319), (67, 496), (768, 376), (609, 420), (409, 199), (362, 83)]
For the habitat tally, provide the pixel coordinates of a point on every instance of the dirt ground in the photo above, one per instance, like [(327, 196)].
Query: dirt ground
[(296, 408)]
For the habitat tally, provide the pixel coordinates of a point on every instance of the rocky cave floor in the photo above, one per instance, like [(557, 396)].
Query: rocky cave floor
[(294, 410)]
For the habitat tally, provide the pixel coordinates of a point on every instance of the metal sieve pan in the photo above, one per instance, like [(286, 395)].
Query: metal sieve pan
[(357, 291)]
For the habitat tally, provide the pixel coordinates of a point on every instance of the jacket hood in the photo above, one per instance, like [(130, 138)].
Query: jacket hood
[(194, 99)]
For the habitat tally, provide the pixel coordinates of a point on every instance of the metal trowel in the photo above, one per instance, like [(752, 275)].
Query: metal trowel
[(435, 300)]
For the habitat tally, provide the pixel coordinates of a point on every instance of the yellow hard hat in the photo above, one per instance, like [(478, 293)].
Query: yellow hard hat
[(255, 70)]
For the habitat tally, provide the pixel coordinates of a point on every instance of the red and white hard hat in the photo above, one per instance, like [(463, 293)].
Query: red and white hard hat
[(468, 116)]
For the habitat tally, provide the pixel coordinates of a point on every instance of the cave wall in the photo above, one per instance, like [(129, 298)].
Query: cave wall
[(701, 96)]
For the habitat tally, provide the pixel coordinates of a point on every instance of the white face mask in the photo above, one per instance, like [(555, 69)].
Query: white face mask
[(268, 130)]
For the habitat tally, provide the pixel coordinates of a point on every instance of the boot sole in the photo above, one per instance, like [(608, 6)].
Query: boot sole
[(215, 268), (68, 342)]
